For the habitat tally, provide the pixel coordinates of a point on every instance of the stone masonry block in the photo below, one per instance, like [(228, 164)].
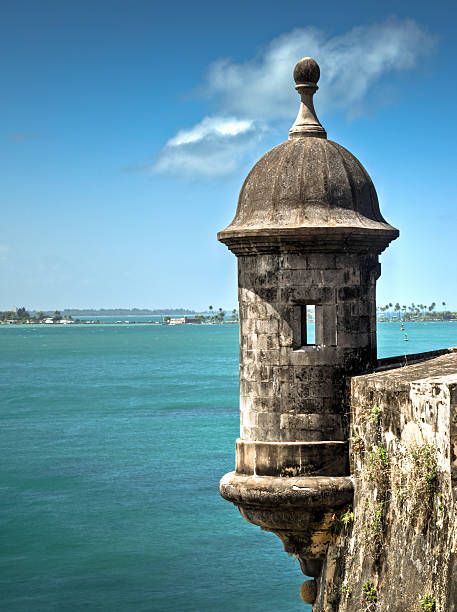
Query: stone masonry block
[(267, 326), (292, 261), (321, 260)]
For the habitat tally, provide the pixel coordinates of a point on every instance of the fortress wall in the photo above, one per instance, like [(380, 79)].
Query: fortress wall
[(396, 549)]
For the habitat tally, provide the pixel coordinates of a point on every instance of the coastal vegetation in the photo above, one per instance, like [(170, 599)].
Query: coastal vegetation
[(388, 313), (22, 315), (414, 312), (212, 317), (220, 315), (172, 316), (71, 315), (116, 312)]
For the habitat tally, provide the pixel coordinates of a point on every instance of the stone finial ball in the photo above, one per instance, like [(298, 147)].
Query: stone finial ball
[(306, 71)]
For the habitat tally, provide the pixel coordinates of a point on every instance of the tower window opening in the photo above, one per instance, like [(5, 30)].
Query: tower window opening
[(308, 325), (305, 325)]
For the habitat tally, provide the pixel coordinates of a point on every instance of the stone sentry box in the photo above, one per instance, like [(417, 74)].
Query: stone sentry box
[(307, 233), (293, 392)]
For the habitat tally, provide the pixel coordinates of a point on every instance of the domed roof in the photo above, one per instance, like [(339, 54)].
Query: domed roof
[(308, 192)]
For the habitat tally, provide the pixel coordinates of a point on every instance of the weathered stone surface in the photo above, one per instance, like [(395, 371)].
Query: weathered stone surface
[(296, 491), (312, 458), (308, 591), (313, 190), (279, 380), (403, 540), (299, 510)]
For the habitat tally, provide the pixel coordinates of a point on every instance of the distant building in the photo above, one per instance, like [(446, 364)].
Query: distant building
[(184, 321)]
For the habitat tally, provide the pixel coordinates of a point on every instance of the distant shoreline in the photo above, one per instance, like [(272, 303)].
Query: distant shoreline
[(22, 316), (81, 322), (143, 316), (97, 322), (126, 312)]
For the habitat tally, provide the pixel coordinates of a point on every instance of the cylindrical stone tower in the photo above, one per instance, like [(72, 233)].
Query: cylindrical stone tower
[(307, 234)]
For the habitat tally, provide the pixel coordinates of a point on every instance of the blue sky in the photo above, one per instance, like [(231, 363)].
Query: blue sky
[(127, 129)]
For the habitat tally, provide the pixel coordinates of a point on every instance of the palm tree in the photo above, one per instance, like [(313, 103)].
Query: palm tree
[(22, 313), (397, 309), (443, 304), (210, 308)]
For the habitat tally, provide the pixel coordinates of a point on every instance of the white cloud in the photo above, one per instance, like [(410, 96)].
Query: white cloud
[(213, 147), (350, 64), (260, 91), (211, 127)]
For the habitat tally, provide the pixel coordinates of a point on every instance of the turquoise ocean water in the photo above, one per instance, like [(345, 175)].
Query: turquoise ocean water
[(113, 439)]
